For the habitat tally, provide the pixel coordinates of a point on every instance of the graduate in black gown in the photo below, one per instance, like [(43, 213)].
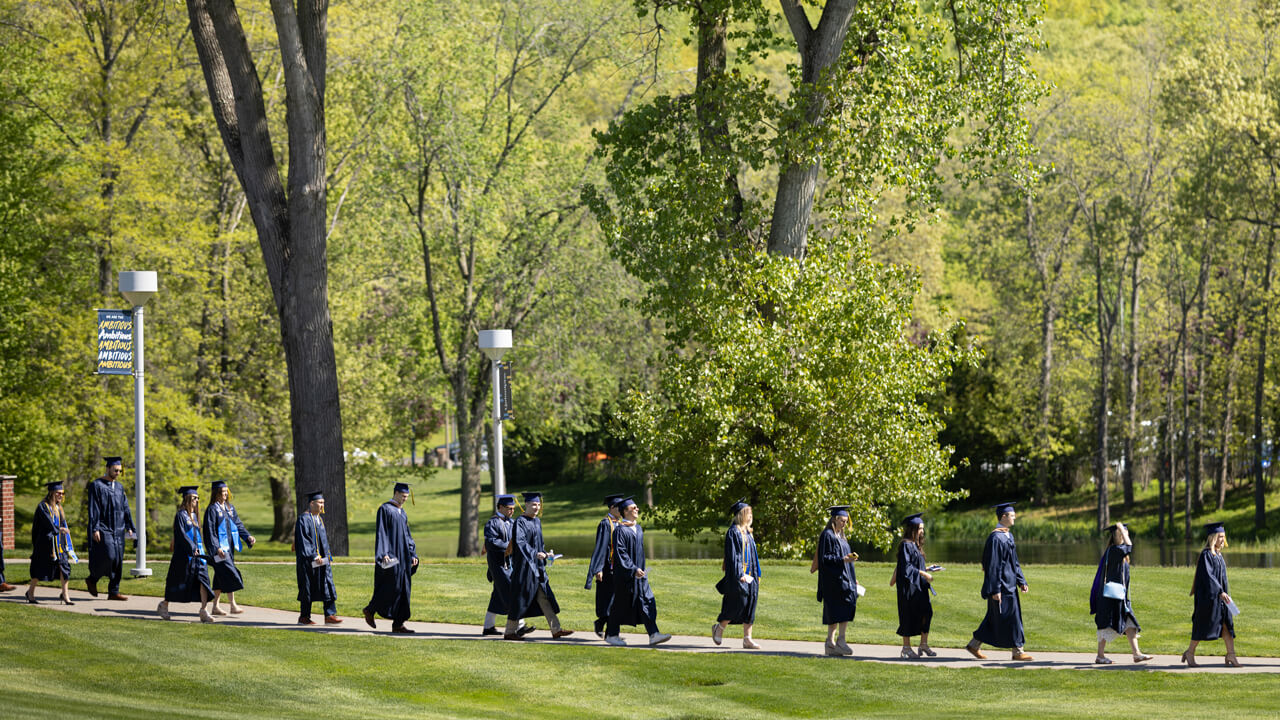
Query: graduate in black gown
[(740, 585), (110, 522), (600, 569), (188, 578), (395, 563), (531, 592), (1113, 616), (225, 535), (915, 609), (51, 550), (1211, 618), (633, 601), (497, 537), (837, 581), (314, 563), (1002, 579)]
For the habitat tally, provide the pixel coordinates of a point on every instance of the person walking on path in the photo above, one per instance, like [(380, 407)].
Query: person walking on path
[(1002, 579), (51, 550), (110, 523), (395, 563), (740, 585), (497, 536), (837, 581), (188, 577), (4, 586), (1109, 598), (915, 610), (633, 601), (531, 592), (600, 569), (225, 533), (314, 563), (1212, 617)]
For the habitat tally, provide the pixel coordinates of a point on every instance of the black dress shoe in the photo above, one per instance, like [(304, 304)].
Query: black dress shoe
[(491, 631), (368, 618), (92, 585), (525, 630), (65, 600), (31, 598)]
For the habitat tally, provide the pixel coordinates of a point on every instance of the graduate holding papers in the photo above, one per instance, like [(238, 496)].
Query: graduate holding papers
[(633, 602), (915, 609), (395, 562), (530, 586), (226, 535), (1213, 614), (740, 585), (1109, 599), (497, 538), (314, 560), (188, 578), (51, 552), (837, 583), (600, 569), (110, 522), (1002, 579)]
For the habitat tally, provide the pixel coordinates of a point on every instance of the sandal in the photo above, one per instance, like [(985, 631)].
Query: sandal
[(1231, 661), (909, 654), (1141, 658), (1101, 660), (1189, 659), (926, 650)]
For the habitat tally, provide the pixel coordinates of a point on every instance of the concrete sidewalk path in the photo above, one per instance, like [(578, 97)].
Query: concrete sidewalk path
[(143, 607)]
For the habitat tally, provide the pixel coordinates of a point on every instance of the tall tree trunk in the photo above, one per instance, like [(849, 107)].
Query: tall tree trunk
[(1259, 482), (1197, 462), (1100, 452), (1131, 362), (1163, 471), (1048, 317), (469, 393), (1184, 450), (290, 224), (284, 509), (1228, 418)]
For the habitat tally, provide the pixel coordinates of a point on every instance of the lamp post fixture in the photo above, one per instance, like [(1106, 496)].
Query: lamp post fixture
[(138, 287), (495, 343)]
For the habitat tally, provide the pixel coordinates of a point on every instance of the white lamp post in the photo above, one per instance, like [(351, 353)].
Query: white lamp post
[(495, 343), (137, 288)]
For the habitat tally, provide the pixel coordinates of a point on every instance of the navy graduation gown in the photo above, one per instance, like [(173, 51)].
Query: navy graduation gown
[(222, 520), (1210, 612), (497, 536), (49, 560), (393, 586), (1109, 612), (837, 582), (738, 605), (602, 562), (915, 609), (633, 600), (528, 573), (187, 567), (1002, 626), (315, 584), (108, 515)]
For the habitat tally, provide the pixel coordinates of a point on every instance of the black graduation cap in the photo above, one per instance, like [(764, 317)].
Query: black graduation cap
[(1214, 527), (186, 490), (54, 486), (534, 496), (113, 460), (1113, 527), (1002, 508), (217, 485), (313, 496), (611, 500), (401, 487), (913, 519), (839, 510), (737, 507), (504, 500), (625, 503)]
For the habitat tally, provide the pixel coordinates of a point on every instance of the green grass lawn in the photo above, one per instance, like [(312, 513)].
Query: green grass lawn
[(1055, 611), (83, 666)]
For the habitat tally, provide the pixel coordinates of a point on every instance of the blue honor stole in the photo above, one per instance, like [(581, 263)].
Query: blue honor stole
[(225, 542), (193, 534)]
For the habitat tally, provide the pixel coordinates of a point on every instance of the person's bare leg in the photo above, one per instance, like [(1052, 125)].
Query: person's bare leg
[(231, 598), (924, 644), (217, 596), (65, 596), (204, 602), (1102, 649), (1231, 646), (1189, 655), (31, 591)]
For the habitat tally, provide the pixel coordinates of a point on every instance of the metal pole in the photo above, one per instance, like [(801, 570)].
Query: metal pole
[(499, 482), (139, 448)]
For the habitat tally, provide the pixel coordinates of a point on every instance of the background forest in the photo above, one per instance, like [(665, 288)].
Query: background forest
[(1117, 302)]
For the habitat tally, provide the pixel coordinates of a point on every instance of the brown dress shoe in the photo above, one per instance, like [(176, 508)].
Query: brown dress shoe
[(512, 636), (368, 618), (92, 587), (6, 587), (117, 596), (306, 621), (975, 652), (1022, 657), (561, 633), (401, 630), (332, 619)]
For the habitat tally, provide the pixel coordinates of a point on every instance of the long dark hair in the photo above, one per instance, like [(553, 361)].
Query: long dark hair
[(914, 532)]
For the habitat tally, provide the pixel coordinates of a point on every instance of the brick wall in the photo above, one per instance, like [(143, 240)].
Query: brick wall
[(6, 509)]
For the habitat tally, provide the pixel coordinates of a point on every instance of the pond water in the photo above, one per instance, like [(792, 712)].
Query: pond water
[(662, 546)]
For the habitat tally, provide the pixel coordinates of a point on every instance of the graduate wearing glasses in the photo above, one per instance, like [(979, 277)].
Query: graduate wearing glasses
[(314, 563), (51, 550), (188, 578), (600, 569), (226, 534), (1002, 579), (395, 562), (109, 523)]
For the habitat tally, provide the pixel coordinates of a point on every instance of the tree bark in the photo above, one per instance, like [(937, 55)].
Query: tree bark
[(1259, 482), (1228, 418), (1131, 363), (290, 223)]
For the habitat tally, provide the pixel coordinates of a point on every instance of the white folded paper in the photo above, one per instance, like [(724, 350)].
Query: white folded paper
[(1233, 609), (859, 589), (388, 563), (320, 562)]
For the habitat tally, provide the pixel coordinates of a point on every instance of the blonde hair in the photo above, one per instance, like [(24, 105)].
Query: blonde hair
[(1211, 541), (739, 520)]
